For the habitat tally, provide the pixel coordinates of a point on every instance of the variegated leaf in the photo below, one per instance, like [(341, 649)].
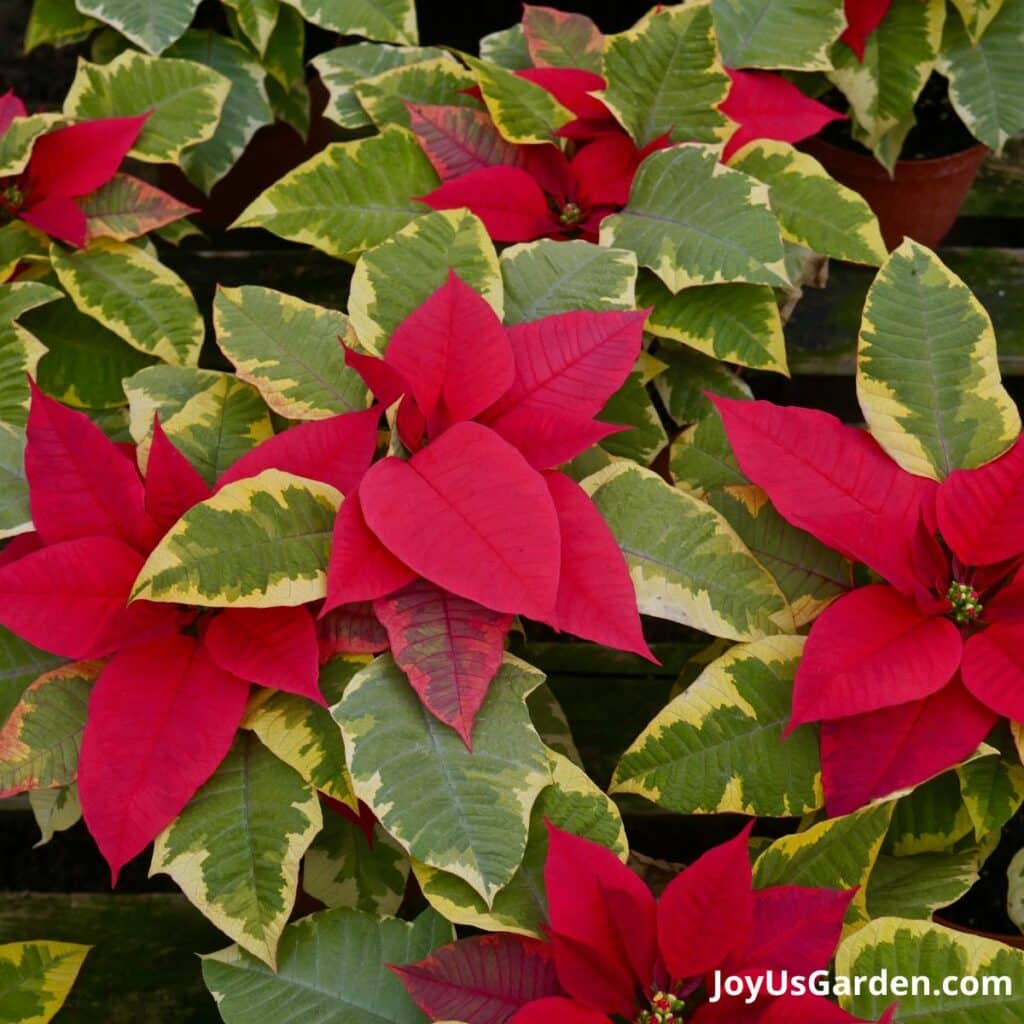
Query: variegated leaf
[(20, 665), (16, 143), (55, 810), (331, 967), (20, 242), (256, 19), (186, 100), (992, 789), (388, 21), (235, 849), (523, 111), (343, 870), (977, 15), (212, 418), (134, 295), (550, 721), (813, 210), (127, 207), (911, 949), (1015, 890), (303, 734), (631, 406), (572, 802), (258, 543), (37, 979), (439, 80), (548, 277), (838, 853), (931, 818), (665, 75), (694, 221), (56, 23), (39, 742), (15, 514), (20, 350), (461, 811), (717, 747), (795, 34), (927, 369), (289, 350), (400, 274), (687, 563), (561, 39), (682, 387), (350, 197), (151, 24), (507, 48)]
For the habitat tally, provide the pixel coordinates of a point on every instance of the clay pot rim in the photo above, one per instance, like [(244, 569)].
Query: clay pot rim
[(866, 166)]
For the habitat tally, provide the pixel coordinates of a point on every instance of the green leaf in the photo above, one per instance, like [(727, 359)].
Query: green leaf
[(343, 870), (703, 460), (911, 949), (235, 848), (151, 24), (738, 323), (993, 791), (256, 19), (718, 746), (400, 274), (332, 969), (285, 61), (303, 734), (1015, 890), (18, 242), (932, 818), (548, 277), (898, 60), (813, 210), (573, 803), (835, 854), (507, 48), (693, 221), (631, 406), (689, 374), (348, 198), (40, 740), (343, 68), (133, 295), (246, 109), (17, 142), (20, 350), (918, 885), (55, 810), (523, 111), (664, 75), (388, 21), (186, 100), (85, 365), (257, 543), (465, 812), (439, 81), (552, 726), (927, 369), (56, 23), (20, 665), (985, 84), (15, 514), (687, 563), (795, 34), (289, 350), (36, 977), (212, 418), (977, 15)]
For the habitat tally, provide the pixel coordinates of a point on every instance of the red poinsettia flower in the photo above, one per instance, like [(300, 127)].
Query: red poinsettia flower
[(862, 18), (908, 676), (615, 953), (65, 165), (167, 704), (475, 526)]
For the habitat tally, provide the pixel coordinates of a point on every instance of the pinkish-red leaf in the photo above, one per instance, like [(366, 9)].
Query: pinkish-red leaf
[(707, 910), (10, 108), (510, 203), (161, 719), (173, 484), (570, 363), (80, 484), (274, 647), (571, 87), (556, 1010), (981, 511), (71, 598), (872, 649), (361, 567), (833, 481), (862, 18), (481, 980), (335, 451), (766, 106), (604, 171), (540, 23), (59, 217), (547, 437), (596, 597), (20, 546), (458, 140), (130, 208), (450, 649), (388, 386), (453, 352), (76, 160), (872, 755), (993, 670), (351, 629), (471, 515)]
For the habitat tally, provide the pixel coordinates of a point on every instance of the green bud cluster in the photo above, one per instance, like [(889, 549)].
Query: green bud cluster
[(570, 214), (964, 599), (665, 1009)]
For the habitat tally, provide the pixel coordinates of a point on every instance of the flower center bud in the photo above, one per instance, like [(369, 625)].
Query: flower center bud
[(570, 214), (11, 200), (964, 599), (665, 1009)]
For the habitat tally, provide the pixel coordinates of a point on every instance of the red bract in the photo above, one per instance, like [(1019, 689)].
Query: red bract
[(613, 952), (862, 18), (907, 677), (474, 526), (168, 703)]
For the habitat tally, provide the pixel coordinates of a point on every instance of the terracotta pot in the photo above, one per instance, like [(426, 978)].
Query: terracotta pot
[(1016, 941), (921, 201)]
